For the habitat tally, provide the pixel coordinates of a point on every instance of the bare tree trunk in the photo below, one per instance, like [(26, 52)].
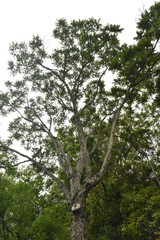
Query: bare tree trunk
[(78, 220)]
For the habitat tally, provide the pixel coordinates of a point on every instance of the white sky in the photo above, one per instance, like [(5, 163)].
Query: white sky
[(21, 19)]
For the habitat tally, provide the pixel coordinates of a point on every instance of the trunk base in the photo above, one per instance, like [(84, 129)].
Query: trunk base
[(78, 221)]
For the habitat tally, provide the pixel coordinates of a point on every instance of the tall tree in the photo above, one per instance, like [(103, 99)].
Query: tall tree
[(65, 114)]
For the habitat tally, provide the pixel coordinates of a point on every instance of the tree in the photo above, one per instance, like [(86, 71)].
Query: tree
[(52, 223), (66, 117), (124, 205), (20, 203), (6, 190)]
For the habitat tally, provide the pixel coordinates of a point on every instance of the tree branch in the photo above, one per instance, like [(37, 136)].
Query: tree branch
[(110, 143), (58, 146), (97, 177), (94, 96), (59, 77), (42, 168), (98, 137)]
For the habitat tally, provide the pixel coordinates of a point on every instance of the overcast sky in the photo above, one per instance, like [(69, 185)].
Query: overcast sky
[(21, 19)]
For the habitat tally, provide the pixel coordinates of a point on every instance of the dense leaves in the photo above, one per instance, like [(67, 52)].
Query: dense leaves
[(28, 212)]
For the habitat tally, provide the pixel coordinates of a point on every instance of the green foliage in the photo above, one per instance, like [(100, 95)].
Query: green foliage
[(140, 210), (19, 205), (53, 223), (26, 213), (126, 204), (104, 217)]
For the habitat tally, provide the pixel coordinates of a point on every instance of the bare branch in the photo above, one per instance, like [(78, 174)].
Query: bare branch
[(66, 158), (19, 163), (110, 143)]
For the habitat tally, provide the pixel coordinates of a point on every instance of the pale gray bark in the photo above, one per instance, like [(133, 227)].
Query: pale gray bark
[(78, 220)]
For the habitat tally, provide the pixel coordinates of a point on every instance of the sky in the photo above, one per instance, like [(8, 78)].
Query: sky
[(21, 19)]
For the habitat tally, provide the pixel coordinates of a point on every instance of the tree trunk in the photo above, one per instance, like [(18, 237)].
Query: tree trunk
[(78, 220)]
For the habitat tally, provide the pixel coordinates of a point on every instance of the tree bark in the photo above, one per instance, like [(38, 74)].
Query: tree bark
[(78, 220)]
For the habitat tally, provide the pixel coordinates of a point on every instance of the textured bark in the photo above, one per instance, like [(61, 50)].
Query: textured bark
[(78, 221)]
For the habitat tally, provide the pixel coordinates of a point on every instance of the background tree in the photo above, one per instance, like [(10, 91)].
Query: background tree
[(21, 203), (120, 206), (6, 190), (66, 117), (54, 220), (30, 208)]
